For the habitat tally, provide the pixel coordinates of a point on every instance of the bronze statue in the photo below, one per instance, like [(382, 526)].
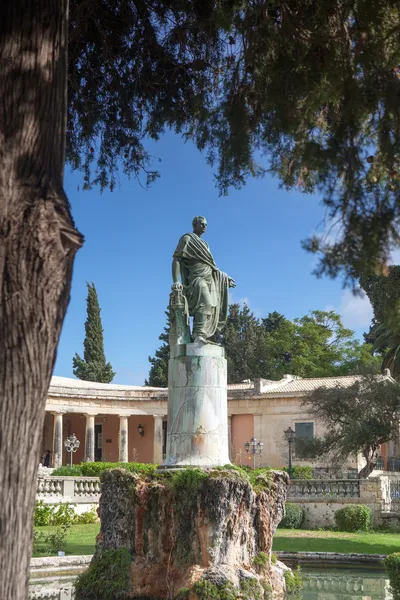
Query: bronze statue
[(199, 289)]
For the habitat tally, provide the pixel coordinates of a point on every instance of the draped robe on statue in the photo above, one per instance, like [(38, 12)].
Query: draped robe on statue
[(205, 286)]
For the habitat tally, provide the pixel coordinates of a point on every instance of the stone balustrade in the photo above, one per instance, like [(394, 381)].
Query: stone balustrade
[(76, 489), (88, 486), (324, 488), (56, 591)]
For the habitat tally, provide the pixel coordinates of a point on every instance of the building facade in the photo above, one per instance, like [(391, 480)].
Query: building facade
[(129, 423)]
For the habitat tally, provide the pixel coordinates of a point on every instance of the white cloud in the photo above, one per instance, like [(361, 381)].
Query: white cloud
[(356, 311)]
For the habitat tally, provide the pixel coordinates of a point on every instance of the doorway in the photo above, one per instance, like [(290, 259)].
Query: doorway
[(98, 442)]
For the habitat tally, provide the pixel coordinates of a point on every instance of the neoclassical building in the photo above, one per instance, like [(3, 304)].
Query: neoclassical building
[(129, 423)]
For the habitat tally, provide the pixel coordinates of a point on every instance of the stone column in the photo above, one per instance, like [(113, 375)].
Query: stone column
[(158, 439), (123, 439), (57, 440), (197, 407), (89, 439)]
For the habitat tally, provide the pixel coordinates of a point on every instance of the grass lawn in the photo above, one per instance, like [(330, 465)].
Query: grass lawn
[(299, 540), (81, 539)]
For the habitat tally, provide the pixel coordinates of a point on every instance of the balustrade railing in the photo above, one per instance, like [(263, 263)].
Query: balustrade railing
[(324, 488), (394, 487), (75, 488), (87, 487), (47, 486)]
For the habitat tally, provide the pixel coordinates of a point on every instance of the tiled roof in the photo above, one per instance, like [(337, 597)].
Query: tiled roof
[(288, 385), (296, 385), (69, 382)]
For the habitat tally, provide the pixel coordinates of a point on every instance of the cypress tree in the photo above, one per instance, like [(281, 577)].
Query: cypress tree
[(158, 374), (93, 365)]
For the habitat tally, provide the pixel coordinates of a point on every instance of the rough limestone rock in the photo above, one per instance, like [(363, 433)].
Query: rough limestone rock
[(191, 532)]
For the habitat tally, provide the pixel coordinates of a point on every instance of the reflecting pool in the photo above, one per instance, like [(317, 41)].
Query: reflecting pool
[(319, 584)]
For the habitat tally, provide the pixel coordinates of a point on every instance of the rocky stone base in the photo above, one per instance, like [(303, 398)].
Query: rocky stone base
[(188, 535)]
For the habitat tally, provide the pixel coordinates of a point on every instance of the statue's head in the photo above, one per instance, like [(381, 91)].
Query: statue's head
[(199, 225)]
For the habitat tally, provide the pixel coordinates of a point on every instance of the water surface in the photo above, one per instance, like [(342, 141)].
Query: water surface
[(319, 584)]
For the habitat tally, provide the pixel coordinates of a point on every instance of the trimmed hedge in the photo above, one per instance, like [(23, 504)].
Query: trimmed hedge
[(392, 566), (93, 469), (294, 517), (354, 517), (300, 471)]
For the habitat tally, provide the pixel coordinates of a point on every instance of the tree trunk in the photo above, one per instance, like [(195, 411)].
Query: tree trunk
[(38, 244), (370, 457)]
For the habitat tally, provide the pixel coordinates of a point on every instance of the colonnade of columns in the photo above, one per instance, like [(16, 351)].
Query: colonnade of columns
[(89, 443)]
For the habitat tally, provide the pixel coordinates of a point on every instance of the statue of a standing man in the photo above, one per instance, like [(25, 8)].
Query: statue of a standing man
[(204, 285)]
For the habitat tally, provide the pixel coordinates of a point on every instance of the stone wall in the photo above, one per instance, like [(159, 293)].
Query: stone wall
[(321, 499), (319, 512)]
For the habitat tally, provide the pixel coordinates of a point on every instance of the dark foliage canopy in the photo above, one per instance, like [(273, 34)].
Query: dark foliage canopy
[(306, 90), (316, 345), (357, 419), (158, 374), (383, 291), (93, 365)]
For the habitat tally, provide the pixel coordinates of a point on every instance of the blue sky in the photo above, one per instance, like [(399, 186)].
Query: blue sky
[(130, 236)]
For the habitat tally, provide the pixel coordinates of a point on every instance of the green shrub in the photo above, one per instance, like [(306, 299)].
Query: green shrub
[(58, 539), (294, 517), (93, 469), (43, 513), (107, 576), (67, 471), (53, 514), (354, 517), (86, 518), (392, 566), (63, 514), (274, 558), (300, 471), (293, 580)]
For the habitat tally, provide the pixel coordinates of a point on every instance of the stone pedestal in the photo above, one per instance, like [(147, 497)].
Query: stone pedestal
[(188, 535), (197, 407)]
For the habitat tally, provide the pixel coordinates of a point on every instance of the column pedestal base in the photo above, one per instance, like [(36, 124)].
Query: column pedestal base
[(197, 407)]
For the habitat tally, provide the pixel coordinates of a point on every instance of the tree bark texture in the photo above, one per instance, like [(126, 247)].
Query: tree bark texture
[(38, 242)]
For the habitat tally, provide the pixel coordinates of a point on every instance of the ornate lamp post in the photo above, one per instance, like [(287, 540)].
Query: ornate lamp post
[(71, 444), (255, 448), (290, 436)]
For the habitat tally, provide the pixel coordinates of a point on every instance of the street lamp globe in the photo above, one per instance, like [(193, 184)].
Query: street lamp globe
[(71, 444), (290, 435), (255, 448)]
